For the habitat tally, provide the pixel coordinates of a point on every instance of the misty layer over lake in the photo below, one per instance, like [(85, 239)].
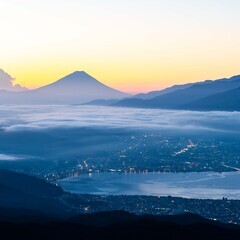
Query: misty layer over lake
[(20, 118), (58, 141), (188, 185)]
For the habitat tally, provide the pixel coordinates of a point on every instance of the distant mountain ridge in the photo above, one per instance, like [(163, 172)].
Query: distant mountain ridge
[(190, 98), (153, 94), (75, 88), (102, 102), (81, 88), (226, 101)]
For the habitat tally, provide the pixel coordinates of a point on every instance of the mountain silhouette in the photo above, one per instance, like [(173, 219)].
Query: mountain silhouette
[(31, 208), (75, 88), (153, 94), (182, 99), (226, 101), (20, 191)]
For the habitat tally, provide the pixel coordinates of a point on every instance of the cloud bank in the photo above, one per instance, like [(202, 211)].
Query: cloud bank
[(21, 118), (7, 83)]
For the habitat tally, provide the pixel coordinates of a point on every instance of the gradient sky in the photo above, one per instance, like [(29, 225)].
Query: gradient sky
[(131, 45)]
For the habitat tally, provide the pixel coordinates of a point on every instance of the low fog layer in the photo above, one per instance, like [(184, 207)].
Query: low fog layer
[(59, 140), (20, 118)]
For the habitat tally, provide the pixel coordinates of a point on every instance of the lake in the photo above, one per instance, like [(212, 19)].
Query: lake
[(204, 185)]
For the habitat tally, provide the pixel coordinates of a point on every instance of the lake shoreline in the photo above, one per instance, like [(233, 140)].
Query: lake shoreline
[(210, 185)]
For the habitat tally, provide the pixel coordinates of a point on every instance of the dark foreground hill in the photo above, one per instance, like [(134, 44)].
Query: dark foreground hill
[(121, 225), (28, 195), (31, 208)]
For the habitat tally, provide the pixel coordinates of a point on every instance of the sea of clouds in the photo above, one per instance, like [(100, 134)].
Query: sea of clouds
[(21, 118)]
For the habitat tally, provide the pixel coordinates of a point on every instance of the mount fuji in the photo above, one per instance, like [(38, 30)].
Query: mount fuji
[(75, 88)]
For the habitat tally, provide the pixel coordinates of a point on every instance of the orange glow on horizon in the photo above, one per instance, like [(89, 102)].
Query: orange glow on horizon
[(133, 46), (132, 82)]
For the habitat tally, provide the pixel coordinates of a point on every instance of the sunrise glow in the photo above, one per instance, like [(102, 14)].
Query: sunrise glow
[(134, 46)]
